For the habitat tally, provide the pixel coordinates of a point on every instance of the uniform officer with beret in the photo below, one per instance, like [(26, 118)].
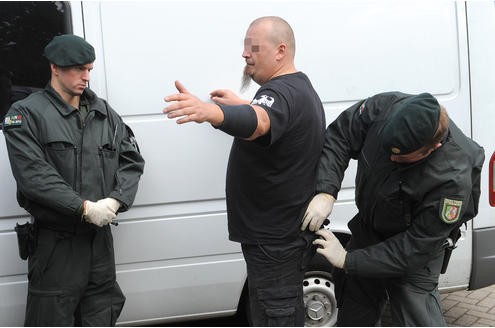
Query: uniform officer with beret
[(418, 180), (76, 165)]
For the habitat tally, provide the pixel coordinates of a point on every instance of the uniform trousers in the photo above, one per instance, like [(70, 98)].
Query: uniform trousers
[(72, 280), (414, 298), (275, 276)]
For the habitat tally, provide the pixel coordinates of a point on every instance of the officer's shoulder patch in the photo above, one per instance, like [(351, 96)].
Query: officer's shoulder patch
[(450, 210), (12, 121)]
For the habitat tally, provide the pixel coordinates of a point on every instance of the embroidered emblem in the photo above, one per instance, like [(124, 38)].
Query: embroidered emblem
[(263, 100), (451, 210), (12, 121)]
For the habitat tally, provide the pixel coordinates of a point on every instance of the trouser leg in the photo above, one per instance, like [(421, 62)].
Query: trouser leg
[(415, 300), (72, 280), (57, 273), (103, 299), (360, 301), (275, 276)]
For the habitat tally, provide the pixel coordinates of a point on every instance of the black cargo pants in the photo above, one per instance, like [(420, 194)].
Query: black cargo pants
[(275, 277), (72, 280)]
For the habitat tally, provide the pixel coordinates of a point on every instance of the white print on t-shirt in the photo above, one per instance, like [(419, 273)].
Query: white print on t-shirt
[(263, 100)]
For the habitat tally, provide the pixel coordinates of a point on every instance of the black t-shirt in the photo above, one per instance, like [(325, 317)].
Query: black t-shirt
[(271, 180)]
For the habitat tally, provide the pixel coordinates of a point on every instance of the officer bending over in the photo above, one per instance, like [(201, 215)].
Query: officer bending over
[(76, 165), (418, 180)]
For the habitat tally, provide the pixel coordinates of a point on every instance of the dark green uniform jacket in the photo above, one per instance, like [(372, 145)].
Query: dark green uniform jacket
[(406, 211), (59, 160)]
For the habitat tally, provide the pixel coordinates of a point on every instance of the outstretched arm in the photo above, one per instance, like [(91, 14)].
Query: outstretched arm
[(227, 97), (230, 114), (191, 109)]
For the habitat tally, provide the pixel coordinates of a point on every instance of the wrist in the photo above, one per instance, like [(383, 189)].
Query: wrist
[(84, 209), (327, 196), (343, 256), (115, 204), (217, 116)]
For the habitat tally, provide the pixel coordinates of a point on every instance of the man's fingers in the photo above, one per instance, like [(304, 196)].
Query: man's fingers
[(184, 115), (306, 220), (324, 233), (217, 93), (172, 111), (315, 224), (176, 106), (179, 97), (180, 87), (185, 119), (318, 242)]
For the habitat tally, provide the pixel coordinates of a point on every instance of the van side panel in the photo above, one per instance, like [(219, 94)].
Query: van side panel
[(481, 18)]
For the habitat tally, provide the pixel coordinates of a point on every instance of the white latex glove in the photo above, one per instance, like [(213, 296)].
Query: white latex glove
[(98, 213), (318, 210), (112, 203), (331, 248)]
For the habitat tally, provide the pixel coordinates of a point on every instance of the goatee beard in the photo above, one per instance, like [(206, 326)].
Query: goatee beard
[(246, 80)]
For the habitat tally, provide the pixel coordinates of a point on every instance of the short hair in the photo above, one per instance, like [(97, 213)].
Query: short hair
[(443, 127), (281, 31)]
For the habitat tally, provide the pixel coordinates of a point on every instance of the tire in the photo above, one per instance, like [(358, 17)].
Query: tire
[(319, 294)]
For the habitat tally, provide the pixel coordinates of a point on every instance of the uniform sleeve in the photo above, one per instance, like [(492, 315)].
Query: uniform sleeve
[(443, 210), (36, 178), (131, 167), (344, 139)]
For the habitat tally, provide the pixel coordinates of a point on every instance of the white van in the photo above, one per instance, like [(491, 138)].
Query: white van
[(174, 259)]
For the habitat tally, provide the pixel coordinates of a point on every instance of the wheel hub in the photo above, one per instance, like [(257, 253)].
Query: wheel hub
[(315, 309), (320, 302)]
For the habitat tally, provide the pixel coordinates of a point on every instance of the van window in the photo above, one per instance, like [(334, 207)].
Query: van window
[(25, 28)]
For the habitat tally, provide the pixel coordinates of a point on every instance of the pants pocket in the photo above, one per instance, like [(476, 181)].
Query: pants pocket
[(47, 307), (42, 257), (279, 305)]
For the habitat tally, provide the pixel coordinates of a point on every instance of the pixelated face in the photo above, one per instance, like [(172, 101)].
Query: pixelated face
[(253, 56), (251, 45), (259, 54)]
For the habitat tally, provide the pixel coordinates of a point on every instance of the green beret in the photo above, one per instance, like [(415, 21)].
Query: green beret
[(411, 125), (69, 50)]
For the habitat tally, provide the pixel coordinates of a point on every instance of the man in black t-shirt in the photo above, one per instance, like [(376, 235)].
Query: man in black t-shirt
[(271, 175)]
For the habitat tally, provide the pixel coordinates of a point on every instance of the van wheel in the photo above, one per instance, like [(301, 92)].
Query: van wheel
[(320, 302)]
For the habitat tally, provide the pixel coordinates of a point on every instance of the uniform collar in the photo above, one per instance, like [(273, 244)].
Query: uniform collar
[(65, 109)]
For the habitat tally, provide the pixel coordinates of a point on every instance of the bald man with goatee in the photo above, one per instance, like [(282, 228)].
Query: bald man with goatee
[(271, 174)]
